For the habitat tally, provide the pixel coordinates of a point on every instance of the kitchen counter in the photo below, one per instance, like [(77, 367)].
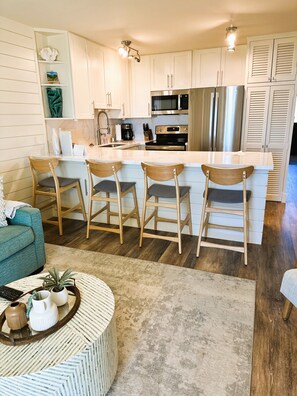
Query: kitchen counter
[(193, 176), (259, 160)]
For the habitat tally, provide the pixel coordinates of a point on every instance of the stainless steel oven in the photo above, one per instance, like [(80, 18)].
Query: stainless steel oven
[(169, 138), (170, 102)]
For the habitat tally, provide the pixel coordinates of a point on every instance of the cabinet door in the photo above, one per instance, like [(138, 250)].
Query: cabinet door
[(284, 59), (113, 83), (180, 77), (140, 88), (96, 74), (260, 61), (161, 71), (206, 68), (233, 66), (256, 113), (278, 136), (80, 78)]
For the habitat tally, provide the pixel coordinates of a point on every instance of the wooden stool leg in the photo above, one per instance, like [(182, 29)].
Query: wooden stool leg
[(89, 216), (287, 309), (201, 227), (142, 220), (108, 208), (136, 207), (81, 200), (156, 214), (59, 210), (245, 231), (120, 217), (178, 227), (190, 214)]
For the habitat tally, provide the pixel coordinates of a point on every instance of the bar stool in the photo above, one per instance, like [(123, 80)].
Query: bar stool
[(225, 176), (163, 173), (53, 186), (121, 189)]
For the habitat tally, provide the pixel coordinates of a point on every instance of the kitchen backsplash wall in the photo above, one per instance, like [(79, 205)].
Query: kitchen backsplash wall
[(181, 119), (84, 131)]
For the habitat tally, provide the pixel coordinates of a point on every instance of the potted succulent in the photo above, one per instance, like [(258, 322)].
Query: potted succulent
[(56, 283)]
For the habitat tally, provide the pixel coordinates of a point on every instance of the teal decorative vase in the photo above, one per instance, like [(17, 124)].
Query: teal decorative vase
[(55, 101)]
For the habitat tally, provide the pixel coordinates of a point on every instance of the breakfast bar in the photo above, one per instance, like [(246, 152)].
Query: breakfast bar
[(74, 166)]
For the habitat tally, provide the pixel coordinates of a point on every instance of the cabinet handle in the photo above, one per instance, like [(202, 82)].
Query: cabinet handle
[(107, 98), (110, 103), (167, 80), (217, 78), (222, 77), (148, 109), (123, 109), (171, 80), (86, 187)]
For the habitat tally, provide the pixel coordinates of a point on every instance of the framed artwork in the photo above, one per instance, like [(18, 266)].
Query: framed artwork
[(52, 77)]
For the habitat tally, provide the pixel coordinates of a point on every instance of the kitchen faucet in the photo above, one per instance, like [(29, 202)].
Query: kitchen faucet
[(107, 128)]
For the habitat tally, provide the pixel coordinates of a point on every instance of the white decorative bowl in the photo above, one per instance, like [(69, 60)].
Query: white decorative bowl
[(48, 54)]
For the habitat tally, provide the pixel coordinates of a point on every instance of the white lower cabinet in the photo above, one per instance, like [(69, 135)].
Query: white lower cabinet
[(268, 127), (140, 88)]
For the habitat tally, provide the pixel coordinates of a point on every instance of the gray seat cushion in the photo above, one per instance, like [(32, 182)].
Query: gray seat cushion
[(109, 186), (14, 238), (50, 183), (227, 196), (164, 191)]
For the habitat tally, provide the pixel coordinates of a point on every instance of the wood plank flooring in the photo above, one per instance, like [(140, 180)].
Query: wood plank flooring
[(275, 341)]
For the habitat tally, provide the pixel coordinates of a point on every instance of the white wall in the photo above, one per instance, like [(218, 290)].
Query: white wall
[(22, 130)]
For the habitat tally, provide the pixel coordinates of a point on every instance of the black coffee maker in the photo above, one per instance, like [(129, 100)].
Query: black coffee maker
[(127, 132)]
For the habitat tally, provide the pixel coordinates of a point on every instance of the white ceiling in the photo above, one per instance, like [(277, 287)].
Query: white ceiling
[(156, 26)]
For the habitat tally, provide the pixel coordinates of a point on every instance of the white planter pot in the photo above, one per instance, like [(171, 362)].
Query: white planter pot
[(60, 298)]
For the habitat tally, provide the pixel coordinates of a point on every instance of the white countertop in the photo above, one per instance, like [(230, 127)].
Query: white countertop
[(259, 160)]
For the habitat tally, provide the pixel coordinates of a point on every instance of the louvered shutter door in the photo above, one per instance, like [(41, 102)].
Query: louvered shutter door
[(256, 118), (284, 62), (260, 61), (278, 132)]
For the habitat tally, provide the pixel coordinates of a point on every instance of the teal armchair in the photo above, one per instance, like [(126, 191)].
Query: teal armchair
[(22, 251)]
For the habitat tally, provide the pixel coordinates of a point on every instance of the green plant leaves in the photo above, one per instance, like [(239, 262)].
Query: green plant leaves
[(53, 280)]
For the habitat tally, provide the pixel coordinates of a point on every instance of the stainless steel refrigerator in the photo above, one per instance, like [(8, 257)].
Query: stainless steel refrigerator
[(215, 117)]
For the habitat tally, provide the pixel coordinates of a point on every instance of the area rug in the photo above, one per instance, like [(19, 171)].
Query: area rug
[(180, 331)]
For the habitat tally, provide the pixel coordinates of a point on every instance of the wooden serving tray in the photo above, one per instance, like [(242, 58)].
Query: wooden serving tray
[(27, 335)]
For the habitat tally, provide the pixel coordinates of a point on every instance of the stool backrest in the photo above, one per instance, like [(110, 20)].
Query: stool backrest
[(43, 165), (104, 169), (226, 176), (162, 172)]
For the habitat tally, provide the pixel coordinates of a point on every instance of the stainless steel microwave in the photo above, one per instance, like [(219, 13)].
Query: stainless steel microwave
[(170, 102)]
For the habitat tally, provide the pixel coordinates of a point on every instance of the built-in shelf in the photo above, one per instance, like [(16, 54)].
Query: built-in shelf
[(54, 85), (58, 118), (50, 62)]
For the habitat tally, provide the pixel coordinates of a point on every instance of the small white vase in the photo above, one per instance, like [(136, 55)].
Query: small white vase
[(60, 298), (44, 313)]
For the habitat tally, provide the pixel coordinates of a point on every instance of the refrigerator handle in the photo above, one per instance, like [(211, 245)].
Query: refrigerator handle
[(215, 121), (210, 134)]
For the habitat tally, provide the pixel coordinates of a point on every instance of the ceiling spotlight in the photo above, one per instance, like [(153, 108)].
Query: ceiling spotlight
[(128, 52), (231, 37)]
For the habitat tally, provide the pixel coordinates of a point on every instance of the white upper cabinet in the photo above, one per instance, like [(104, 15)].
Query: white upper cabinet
[(272, 60), (171, 71), (96, 74), (113, 84), (218, 67), (83, 102), (140, 87)]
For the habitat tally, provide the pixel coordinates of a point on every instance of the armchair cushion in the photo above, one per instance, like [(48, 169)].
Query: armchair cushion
[(13, 239)]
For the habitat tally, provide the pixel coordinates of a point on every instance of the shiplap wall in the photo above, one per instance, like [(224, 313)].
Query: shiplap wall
[(22, 129)]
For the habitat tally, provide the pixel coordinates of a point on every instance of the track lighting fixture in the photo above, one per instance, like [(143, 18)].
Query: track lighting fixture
[(128, 52)]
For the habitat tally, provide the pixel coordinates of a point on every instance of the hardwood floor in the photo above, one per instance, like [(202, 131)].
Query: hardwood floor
[(275, 341)]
